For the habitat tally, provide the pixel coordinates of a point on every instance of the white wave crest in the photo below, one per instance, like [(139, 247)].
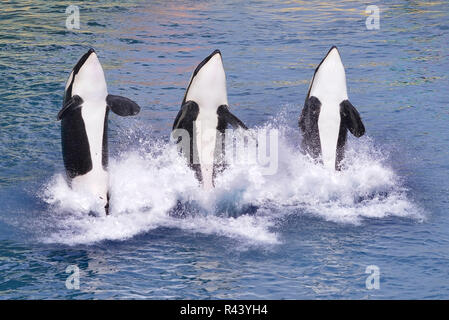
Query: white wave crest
[(153, 187)]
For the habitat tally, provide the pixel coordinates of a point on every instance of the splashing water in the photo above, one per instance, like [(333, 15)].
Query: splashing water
[(153, 187)]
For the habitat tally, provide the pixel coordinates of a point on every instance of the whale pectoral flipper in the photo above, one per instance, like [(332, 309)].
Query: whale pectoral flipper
[(122, 106), (74, 102), (184, 121), (351, 119), (225, 115), (309, 115), (308, 123), (188, 113)]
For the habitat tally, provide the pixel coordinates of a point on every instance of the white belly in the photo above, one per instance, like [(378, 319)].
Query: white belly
[(206, 135), (329, 128), (96, 180)]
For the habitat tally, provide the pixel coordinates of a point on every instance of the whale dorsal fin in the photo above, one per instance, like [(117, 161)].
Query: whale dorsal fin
[(73, 102), (122, 106), (351, 119)]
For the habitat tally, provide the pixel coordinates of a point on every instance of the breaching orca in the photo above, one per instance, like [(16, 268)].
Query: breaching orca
[(205, 115), (328, 114), (84, 126)]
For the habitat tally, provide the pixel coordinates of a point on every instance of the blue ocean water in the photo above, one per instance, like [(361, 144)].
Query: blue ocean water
[(303, 233)]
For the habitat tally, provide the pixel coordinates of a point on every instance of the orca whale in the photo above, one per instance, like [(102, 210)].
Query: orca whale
[(84, 124), (327, 114), (205, 116)]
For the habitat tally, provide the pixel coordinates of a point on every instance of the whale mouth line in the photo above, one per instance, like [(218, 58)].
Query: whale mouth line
[(83, 60), (204, 63), (198, 69)]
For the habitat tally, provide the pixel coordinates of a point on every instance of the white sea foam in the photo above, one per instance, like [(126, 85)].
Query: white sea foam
[(151, 189)]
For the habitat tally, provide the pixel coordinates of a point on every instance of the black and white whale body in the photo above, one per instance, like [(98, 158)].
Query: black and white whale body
[(84, 126), (327, 114), (205, 116)]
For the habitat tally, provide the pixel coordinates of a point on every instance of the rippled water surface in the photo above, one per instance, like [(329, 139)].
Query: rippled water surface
[(301, 233)]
